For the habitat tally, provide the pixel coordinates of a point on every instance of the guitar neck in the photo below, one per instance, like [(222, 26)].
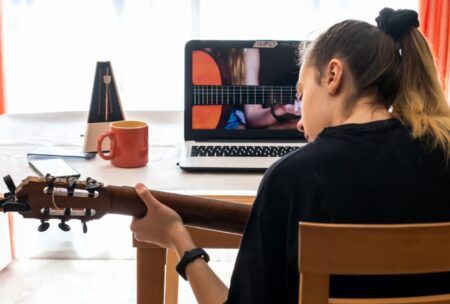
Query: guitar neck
[(241, 95), (195, 211)]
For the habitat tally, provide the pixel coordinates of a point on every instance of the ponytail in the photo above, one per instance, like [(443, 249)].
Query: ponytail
[(421, 101)]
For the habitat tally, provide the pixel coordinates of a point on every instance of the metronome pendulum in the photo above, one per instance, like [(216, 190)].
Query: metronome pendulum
[(108, 105)]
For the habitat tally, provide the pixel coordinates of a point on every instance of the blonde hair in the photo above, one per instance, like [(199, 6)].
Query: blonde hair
[(236, 65), (421, 99)]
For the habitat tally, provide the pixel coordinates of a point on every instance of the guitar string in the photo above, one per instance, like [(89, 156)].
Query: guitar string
[(54, 202)]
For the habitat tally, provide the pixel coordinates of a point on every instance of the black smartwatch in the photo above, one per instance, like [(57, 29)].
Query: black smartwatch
[(190, 256)]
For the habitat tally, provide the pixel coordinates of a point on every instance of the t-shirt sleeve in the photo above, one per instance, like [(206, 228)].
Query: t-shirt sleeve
[(265, 269)]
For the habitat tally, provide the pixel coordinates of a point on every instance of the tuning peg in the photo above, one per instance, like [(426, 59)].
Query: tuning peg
[(71, 184), (85, 229), (63, 226), (15, 207), (7, 198), (10, 184), (92, 184), (43, 226), (50, 182)]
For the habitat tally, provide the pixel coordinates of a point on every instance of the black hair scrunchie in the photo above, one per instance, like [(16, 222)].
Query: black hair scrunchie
[(396, 23)]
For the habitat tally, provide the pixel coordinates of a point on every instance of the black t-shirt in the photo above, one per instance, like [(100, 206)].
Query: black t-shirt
[(355, 173)]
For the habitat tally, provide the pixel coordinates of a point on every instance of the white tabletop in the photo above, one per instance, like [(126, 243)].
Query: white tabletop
[(21, 133), (109, 237)]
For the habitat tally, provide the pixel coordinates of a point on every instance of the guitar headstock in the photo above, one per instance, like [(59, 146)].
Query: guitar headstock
[(56, 198)]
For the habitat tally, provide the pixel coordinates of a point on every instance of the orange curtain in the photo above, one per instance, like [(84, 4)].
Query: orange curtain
[(2, 91), (435, 25)]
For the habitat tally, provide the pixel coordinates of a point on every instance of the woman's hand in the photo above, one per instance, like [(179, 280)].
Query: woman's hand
[(161, 225), (164, 227)]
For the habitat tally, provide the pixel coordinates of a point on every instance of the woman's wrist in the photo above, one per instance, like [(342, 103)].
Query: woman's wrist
[(181, 240)]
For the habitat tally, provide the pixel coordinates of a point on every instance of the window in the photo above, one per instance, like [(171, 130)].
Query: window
[(51, 46)]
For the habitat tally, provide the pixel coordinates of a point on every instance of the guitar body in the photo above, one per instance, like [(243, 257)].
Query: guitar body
[(206, 71)]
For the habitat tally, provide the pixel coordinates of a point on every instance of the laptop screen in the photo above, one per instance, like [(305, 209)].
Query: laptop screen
[(242, 89)]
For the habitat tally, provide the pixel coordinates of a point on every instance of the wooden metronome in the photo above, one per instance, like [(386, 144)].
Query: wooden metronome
[(105, 106)]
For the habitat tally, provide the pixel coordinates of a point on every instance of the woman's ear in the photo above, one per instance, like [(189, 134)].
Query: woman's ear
[(334, 77)]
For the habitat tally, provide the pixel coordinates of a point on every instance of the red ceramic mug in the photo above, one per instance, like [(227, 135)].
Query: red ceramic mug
[(129, 144)]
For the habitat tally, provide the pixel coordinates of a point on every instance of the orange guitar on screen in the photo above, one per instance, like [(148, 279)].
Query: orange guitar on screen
[(205, 71)]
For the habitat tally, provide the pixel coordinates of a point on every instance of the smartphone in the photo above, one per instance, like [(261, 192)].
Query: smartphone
[(57, 167)]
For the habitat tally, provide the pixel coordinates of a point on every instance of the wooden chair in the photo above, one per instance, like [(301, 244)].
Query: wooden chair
[(326, 249)]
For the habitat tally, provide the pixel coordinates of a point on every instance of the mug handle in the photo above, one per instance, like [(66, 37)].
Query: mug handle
[(100, 139)]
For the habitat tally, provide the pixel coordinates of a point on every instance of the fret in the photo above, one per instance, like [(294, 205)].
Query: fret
[(240, 95), (217, 95), (281, 99), (291, 94), (273, 97), (247, 93), (264, 89)]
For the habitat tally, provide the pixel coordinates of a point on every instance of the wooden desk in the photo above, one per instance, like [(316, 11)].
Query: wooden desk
[(24, 132)]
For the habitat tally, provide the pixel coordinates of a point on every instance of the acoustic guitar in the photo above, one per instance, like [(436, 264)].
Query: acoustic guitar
[(69, 199), (213, 95)]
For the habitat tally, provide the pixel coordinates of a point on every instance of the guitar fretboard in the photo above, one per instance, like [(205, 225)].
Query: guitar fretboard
[(241, 95)]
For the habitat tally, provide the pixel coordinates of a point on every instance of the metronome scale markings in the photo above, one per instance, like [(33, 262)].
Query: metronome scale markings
[(240, 95), (105, 106)]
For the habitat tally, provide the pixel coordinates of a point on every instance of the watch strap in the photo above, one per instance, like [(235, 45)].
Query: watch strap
[(188, 257)]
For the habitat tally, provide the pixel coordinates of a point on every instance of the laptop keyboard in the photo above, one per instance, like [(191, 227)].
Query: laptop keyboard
[(242, 151)]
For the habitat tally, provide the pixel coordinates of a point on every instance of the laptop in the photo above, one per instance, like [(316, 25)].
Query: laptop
[(241, 104)]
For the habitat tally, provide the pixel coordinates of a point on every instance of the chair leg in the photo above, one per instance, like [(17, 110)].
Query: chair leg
[(313, 289), (171, 278), (150, 275)]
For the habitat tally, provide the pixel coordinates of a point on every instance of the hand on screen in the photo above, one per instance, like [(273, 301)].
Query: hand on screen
[(293, 109)]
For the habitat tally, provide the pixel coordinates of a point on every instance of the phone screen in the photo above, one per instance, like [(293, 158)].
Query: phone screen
[(55, 167)]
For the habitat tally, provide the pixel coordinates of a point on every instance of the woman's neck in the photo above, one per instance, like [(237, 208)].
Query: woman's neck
[(365, 110)]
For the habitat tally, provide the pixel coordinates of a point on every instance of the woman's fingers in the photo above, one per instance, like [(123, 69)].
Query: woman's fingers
[(145, 195), (149, 201), (134, 224), (292, 109)]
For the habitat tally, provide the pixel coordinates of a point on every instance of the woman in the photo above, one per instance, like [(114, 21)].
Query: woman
[(379, 131)]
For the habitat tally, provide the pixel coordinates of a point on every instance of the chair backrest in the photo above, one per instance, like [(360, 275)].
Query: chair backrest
[(327, 249)]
